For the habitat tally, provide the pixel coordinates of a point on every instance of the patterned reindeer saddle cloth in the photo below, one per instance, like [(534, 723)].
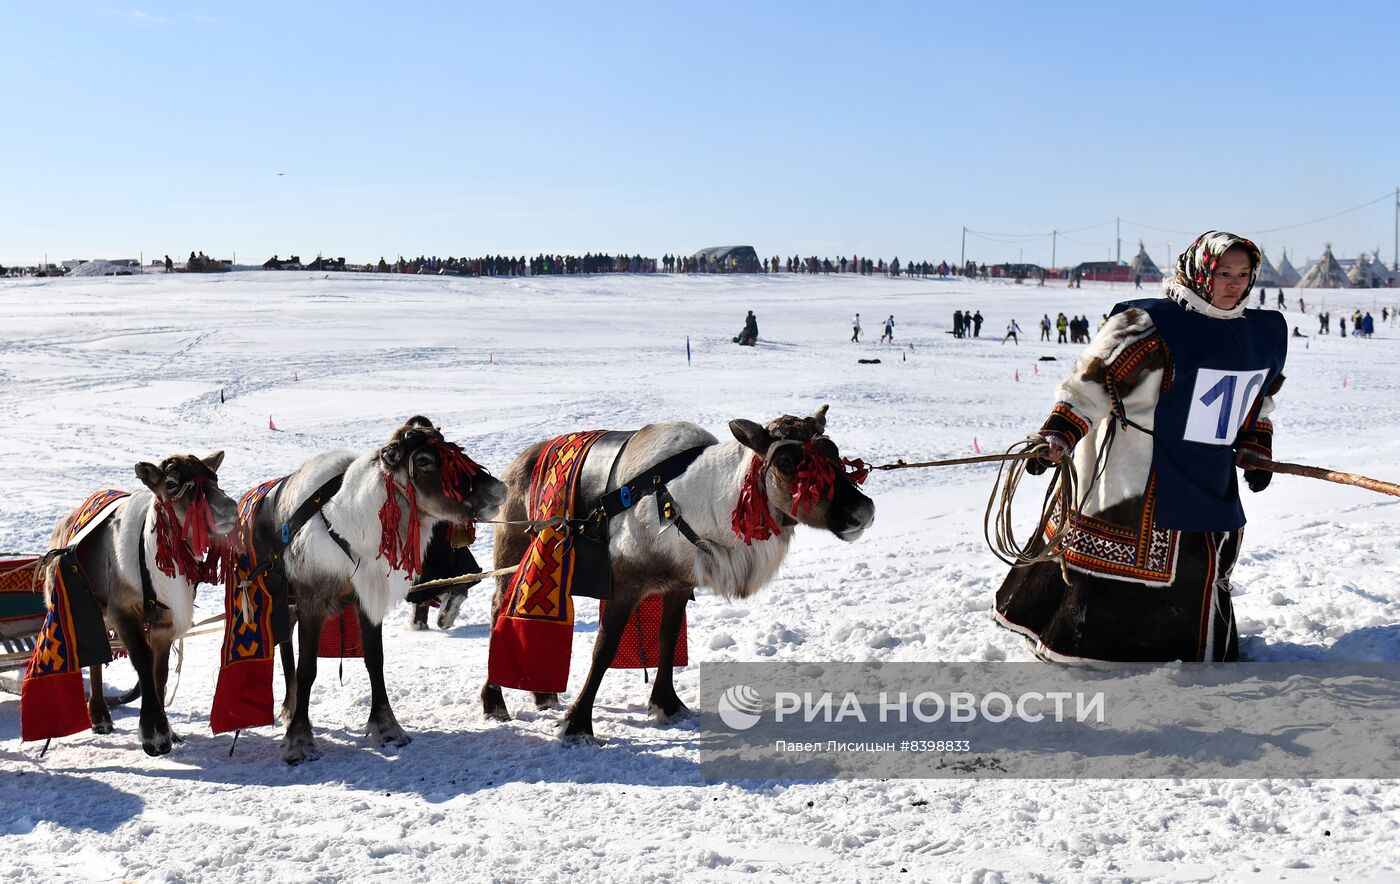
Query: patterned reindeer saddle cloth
[(532, 639)]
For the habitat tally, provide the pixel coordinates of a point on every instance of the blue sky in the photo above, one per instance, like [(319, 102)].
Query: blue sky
[(827, 128)]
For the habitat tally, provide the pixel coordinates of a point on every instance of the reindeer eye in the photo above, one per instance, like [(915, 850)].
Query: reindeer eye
[(171, 486), (424, 461), (786, 462)]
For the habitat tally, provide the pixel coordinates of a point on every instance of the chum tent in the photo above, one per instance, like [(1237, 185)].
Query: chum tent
[(1287, 273), (1268, 276), (1143, 264), (1325, 273)]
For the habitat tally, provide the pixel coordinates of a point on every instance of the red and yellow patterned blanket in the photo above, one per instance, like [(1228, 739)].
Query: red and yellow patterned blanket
[(53, 702)]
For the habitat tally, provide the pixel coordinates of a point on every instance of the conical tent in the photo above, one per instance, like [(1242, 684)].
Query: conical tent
[(1360, 273), (1268, 277), (1141, 263), (1286, 272), (1325, 273), (1382, 274)]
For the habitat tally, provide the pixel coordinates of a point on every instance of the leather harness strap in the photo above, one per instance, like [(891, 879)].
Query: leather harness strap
[(653, 481)]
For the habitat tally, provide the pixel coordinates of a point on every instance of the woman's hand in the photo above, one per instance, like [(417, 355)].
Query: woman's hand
[(1050, 458)]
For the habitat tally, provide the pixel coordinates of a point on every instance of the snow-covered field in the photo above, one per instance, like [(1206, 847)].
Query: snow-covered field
[(96, 374)]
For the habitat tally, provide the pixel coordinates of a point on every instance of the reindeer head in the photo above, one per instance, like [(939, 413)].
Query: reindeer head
[(805, 477), (448, 485), (184, 482)]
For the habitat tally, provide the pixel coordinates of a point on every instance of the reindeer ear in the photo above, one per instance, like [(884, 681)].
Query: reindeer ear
[(418, 421), (751, 435), (213, 461), (150, 475), (391, 454), (819, 418)]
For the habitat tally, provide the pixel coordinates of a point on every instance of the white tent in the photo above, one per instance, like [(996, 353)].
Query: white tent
[(1360, 273), (1286, 272), (1325, 273), (1268, 276), (1143, 264)]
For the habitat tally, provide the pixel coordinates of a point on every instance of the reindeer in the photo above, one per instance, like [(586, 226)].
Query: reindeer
[(367, 548), (158, 532), (766, 476)]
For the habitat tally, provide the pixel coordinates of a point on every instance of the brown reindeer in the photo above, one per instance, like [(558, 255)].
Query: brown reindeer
[(149, 535), (776, 461), (366, 548)]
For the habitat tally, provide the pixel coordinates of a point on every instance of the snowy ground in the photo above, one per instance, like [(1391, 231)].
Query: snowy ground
[(98, 373)]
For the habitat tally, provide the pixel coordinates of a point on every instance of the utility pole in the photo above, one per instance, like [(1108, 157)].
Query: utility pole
[(1118, 232), (1053, 235), (962, 256), (1395, 255)]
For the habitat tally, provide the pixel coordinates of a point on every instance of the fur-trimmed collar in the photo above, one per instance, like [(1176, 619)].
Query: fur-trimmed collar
[(1189, 300)]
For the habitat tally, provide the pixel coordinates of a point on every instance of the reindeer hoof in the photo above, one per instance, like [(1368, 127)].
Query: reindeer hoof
[(416, 626), (386, 731), (103, 727), (546, 701), (578, 734), (156, 739), (299, 747), (451, 607), (668, 713), (156, 746), (493, 704)]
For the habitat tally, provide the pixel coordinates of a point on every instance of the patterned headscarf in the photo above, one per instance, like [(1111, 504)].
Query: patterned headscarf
[(1195, 273)]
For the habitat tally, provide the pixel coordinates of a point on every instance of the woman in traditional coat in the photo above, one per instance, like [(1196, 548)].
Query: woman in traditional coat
[(1156, 413)]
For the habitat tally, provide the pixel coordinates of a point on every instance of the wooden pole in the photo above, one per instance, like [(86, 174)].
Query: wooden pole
[(1341, 478)]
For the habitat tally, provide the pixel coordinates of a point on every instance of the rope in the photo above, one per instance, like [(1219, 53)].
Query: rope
[(179, 665), (466, 578), (997, 528)]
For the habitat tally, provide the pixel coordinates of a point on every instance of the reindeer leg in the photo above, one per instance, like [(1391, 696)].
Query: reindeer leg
[(665, 705), (153, 727), (289, 678), (493, 702), (97, 704), (546, 701), (299, 744), (419, 623), (578, 722), (160, 640), (382, 727)]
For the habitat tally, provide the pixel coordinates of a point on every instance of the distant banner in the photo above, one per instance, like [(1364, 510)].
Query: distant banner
[(814, 721)]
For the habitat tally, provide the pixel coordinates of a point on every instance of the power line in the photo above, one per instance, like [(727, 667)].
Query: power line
[(1385, 196)]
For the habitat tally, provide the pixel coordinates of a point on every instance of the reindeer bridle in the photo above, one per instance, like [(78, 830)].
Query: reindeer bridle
[(455, 470)]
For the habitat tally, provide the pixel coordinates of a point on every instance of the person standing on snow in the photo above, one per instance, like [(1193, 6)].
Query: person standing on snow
[(1012, 330), (855, 329), (1144, 572), (977, 324), (1045, 327), (889, 330)]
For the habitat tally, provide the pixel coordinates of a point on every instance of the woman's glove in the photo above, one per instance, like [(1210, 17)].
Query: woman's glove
[(1057, 452), (1257, 480)]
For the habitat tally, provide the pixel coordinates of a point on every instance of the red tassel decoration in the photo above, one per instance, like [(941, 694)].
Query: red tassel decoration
[(856, 470), (411, 552), (458, 470), (815, 480), (389, 516), (400, 554), (173, 554), (752, 519)]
